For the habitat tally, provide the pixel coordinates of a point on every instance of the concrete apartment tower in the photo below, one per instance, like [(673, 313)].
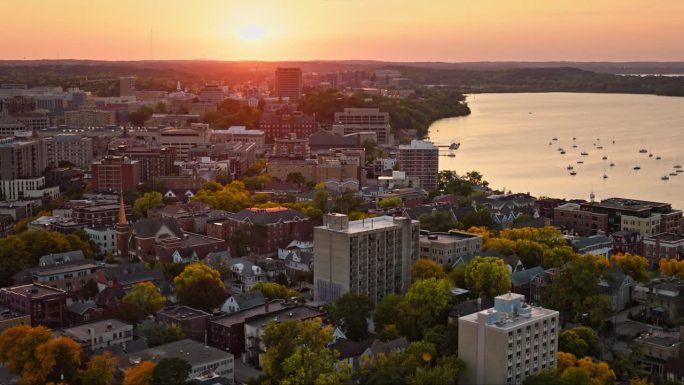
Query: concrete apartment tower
[(127, 86), (288, 83), (420, 159), (506, 343), (369, 256)]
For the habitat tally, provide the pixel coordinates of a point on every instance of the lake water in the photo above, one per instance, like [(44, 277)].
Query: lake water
[(507, 137)]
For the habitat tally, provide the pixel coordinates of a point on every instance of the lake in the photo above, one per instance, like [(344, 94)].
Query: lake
[(507, 136)]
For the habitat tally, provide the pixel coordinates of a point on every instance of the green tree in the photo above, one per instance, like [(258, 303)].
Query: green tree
[(101, 370), (352, 312), (246, 238), (320, 200), (298, 353), (479, 218), (200, 286), (146, 296), (273, 290), (346, 203), (147, 202), (439, 221), (444, 337), (424, 306), (387, 311), (171, 371), (426, 268), (156, 335), (295, 177), (231, 197), (574, 283), (558, 256), (138, 118), (580, 341), (487, 277), (390, 202)]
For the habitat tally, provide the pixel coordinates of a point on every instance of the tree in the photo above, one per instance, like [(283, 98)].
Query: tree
[(633, 265), (146, 296), (387, 311), (156, 335), (557, 256), (352, 312), (36, 357), (171, 371), (272, 290), (479, 218), (138, 118), (320, 200), (58, 357), (574, 283), (200, 286), (424, 306), (147, 202), (444, 337), (231, 197), (457, 275), (487, 277), (245, 238), (140, 374), (672, 268), (426, 268), (444, 372), (100, 371), (298, 353), (390, 202), (439, 221), (346, 203), (580, 341), (295, 177)]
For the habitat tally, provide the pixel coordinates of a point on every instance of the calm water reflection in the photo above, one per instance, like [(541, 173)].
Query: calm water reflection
[(507, 138)]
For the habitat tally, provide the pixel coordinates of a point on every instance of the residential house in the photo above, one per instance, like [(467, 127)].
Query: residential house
[(126, 275), (618, 286), (83, 311), (244, 274), (384, 347), (350, 351), (627, 242), (657, 348), (599, 245), (532, 283), (298, 255), (243, 301), (662, 299)]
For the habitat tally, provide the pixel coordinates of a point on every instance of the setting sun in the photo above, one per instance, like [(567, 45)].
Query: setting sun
[(251, 32)]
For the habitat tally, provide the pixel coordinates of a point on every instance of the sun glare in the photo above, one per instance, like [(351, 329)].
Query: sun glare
[(251, 32)]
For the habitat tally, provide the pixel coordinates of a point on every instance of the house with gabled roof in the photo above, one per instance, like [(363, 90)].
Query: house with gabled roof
[(532, 283), (243, 301)]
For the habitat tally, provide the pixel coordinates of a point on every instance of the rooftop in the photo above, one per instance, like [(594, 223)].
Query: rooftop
[(295, 313), (241, 316), (369, 224), (447, 237), (34, 290), (418, 145), (627, 204), (193, 352), (509, 312), (182, 312), (83, 332), (667, 237)]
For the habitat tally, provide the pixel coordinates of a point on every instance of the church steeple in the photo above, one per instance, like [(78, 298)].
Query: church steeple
[(122, 212)]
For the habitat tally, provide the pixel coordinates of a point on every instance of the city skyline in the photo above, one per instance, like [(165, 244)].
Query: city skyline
[(527, 30)]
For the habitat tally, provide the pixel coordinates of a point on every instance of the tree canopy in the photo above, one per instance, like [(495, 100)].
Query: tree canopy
[(426, 268), (147, 202), (487, 277), (439, 221), (352, 311), (200, 286), (146, 296)]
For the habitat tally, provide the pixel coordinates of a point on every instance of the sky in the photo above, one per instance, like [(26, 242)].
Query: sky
[(392, 30)]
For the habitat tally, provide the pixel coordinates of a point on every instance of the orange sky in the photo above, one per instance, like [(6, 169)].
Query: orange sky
[(401, 30)]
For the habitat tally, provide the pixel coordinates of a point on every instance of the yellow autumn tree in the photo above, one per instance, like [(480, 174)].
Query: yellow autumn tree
[(672, 268), (140, 374), (633, 265)]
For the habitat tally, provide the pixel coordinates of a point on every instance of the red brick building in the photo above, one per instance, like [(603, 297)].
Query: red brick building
[(46, 305), (664, 245), (570, 218), (273, 227), (280, 123), (115, 173)]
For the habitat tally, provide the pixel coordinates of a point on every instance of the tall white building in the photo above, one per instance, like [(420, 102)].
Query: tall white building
[(420, 159), (369, 256), (506, 343)]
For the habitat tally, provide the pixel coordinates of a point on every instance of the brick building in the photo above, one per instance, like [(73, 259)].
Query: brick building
[(282, 122), (46, 305), (664, 245), (115, 173), (571, 218), (273, 228)]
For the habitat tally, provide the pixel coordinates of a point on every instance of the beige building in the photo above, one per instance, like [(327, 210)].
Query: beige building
[(446, 248), (183, 139), (370, 256), (240, 134), (75, 149), (506, 343), (358, 120), (89, 118), (645, 226), (420, 159)]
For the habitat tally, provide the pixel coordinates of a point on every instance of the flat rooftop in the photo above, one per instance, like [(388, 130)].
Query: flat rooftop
[(513, 321), (82, 332), (241, 316), (193, 352), (297, 313), (369, 224), (34, 290), (627, 204), (63, 268), (447, 237), (667, 237), (182, 312)]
